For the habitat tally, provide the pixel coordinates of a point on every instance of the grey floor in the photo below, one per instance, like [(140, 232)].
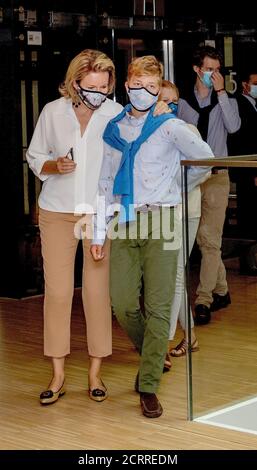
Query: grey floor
[(241, 417)]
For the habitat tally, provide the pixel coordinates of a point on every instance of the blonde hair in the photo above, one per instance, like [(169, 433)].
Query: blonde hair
[(172, 86), (87, 61), (146, 65)]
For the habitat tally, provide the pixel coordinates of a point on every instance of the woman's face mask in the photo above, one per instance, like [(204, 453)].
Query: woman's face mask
[(253, 91), (141, 99), (92, 99), (206, 79)]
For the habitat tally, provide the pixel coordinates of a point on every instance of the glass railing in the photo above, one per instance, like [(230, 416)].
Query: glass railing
[(222, 375)]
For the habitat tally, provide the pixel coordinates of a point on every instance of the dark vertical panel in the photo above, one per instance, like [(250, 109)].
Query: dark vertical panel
[(11, 187)]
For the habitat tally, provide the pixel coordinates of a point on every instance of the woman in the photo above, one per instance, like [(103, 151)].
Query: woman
[(66, 154)]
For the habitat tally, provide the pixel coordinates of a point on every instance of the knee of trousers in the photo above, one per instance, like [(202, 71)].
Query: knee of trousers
[(58, 297), (59, 291), (159, 314), (207, 246), (122, 307), (207, 240), (123, 302)]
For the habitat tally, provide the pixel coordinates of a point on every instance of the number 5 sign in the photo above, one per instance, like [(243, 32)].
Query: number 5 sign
[(231, 82)]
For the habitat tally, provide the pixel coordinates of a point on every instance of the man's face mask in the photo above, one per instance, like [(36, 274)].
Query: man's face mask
[(253, 91), (206, 79), (141, 99), (92, 99)]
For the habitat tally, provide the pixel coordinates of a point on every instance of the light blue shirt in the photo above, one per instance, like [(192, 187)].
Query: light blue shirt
[(156, 168), (224, 118)]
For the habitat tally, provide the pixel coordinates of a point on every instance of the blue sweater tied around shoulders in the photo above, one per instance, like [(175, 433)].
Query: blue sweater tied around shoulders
[(124, 180)]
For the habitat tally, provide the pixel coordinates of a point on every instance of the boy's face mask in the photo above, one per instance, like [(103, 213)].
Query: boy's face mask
[(141, 99), (173, 107)]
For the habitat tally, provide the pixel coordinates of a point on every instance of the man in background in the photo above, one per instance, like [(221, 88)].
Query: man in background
[(215, 114)]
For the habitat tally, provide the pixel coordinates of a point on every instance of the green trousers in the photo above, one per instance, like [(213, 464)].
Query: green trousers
[(139, 253)]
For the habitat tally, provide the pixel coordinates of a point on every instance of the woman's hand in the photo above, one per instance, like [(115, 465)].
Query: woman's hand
[(65, 165), (161, 108), (97, 252)]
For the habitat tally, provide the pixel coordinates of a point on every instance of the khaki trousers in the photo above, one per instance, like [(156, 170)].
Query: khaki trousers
[(134, 257), (59, 246), (215, 193)]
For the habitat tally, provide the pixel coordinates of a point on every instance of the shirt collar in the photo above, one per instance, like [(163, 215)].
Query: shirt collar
[(206, 97), (136, 121)]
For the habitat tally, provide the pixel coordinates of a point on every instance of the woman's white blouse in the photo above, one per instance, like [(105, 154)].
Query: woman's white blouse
[(58, 130)]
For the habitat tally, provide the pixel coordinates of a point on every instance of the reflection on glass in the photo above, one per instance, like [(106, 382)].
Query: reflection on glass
[(222, 378)]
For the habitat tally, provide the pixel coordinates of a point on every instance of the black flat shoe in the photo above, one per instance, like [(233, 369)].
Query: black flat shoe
[(97, 394), (48, 396)]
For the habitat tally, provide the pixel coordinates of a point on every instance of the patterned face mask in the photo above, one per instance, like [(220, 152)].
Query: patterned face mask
[(92, 99), (141, 99)]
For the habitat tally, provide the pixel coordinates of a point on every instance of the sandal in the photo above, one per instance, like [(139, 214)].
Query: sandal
[(182, 347), (167, 363)]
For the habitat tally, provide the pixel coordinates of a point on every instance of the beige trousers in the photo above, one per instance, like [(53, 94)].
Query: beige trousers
[(59, 246), (215, 193)]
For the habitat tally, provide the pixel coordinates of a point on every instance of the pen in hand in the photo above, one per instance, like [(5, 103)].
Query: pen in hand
[(70, 154), (66, 164)]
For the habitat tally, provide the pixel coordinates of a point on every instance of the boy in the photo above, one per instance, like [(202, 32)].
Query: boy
[(140, 166), (170, 95)]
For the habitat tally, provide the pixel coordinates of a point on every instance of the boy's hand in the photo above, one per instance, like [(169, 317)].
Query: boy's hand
[(161, 108), (97, 252)]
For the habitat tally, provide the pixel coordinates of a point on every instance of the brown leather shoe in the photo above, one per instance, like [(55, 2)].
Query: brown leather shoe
[(150, 405)]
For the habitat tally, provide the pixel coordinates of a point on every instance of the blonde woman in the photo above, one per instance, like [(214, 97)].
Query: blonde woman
[(65, 153)]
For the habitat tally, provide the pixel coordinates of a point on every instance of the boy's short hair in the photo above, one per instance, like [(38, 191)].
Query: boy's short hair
[(172, 86), (146, 65)]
